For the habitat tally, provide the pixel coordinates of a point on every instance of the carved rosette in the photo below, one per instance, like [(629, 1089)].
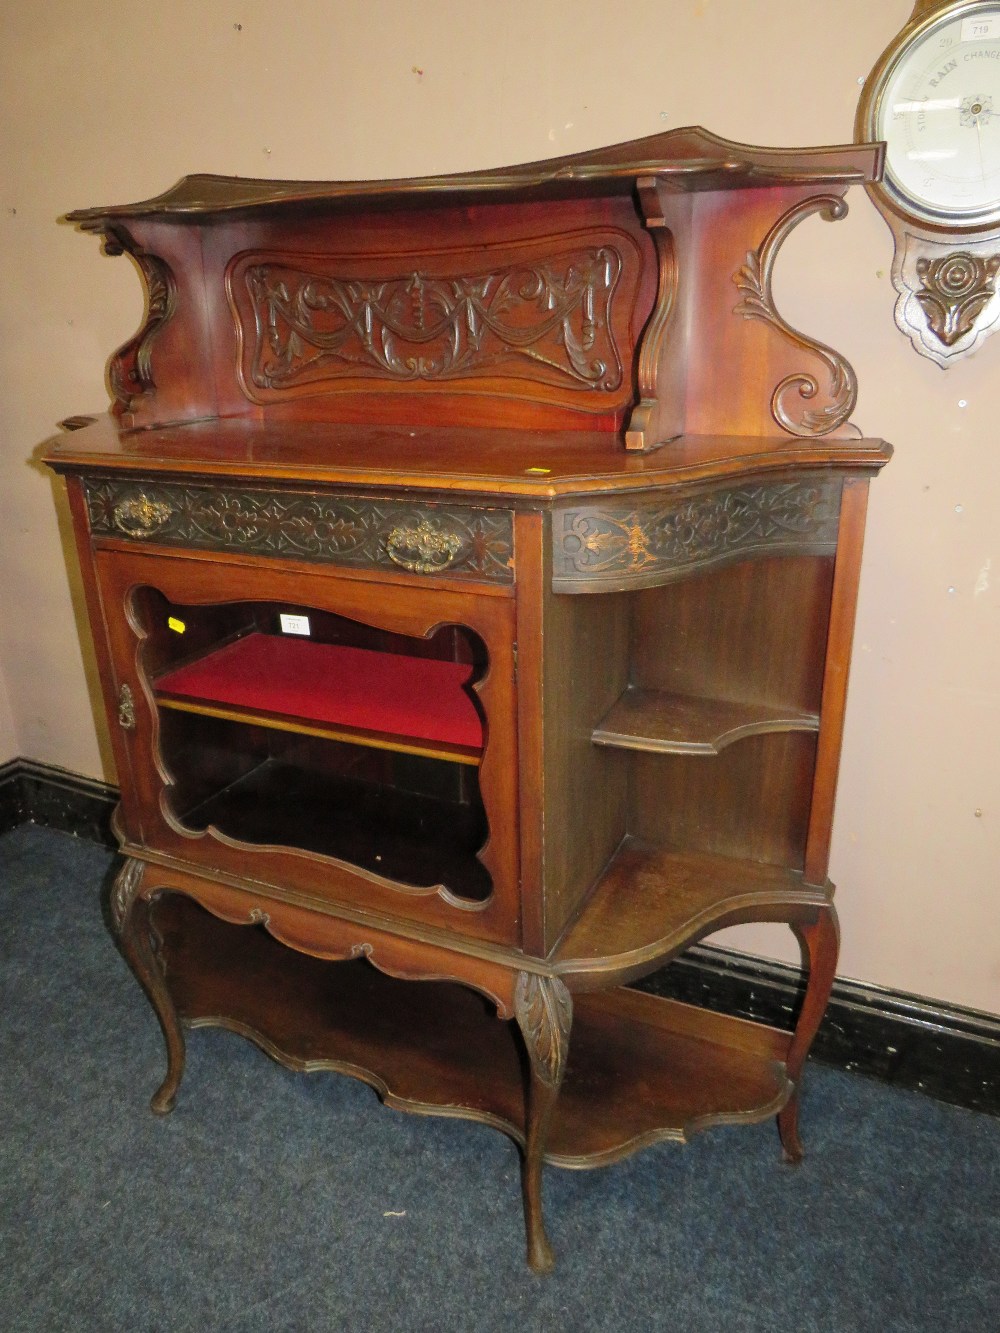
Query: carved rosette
[(124, 890), (799, 403), (547, 318), (954, 292), (622, 545), (544, 1011), (344, 530), (947, 302)]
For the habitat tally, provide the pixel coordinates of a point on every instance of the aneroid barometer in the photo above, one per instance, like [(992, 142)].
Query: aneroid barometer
[(934, 97)]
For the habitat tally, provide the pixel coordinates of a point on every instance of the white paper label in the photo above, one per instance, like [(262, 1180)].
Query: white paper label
[(294, 624), (981, 29)]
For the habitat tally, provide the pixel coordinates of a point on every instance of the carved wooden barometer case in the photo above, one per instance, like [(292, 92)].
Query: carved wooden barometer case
[(934, 97), (471, 564)]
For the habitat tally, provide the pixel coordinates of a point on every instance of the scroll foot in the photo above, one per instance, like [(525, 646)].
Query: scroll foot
[(820, 943), (544, 1011)]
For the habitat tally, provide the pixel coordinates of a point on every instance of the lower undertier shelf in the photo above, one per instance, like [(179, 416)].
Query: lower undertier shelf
[(641, 1069)]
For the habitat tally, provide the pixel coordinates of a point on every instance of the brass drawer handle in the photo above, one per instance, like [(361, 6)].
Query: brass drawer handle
[(140, 516), (422, 549)]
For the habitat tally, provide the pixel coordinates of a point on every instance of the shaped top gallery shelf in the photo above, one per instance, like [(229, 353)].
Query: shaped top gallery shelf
[(390, 701)]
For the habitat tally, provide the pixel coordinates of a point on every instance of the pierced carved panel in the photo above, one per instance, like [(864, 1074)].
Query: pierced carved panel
[(628, 544), (549, 312), (344, 530)]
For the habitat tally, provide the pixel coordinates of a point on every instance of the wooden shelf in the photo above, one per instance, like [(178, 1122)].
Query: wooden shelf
[(651, 902), (641, 1069), (663, 723), (414, 705)]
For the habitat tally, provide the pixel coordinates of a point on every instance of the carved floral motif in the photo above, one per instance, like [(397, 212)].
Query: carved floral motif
[(954, 291), (124, 889), (790, 399), (345, 530), (313, 328), (624, 544), (544, 1011)]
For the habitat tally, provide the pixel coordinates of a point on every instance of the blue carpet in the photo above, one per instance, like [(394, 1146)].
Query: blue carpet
[(274, 1201)]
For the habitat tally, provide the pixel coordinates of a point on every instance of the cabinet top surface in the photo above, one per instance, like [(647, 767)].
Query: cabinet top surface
[(541, 464), (684, 159)]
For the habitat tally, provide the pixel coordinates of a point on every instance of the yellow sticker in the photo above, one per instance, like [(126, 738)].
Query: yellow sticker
[(176, 625), (542, 471)]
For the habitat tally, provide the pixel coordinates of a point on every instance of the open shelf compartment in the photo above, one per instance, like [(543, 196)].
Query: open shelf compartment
[(641, 1068), (652, 901)]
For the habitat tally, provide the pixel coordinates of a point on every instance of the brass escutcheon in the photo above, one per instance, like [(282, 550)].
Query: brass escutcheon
[(126, 709)]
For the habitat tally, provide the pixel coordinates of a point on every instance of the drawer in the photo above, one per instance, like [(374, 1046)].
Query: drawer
[(349, 531)]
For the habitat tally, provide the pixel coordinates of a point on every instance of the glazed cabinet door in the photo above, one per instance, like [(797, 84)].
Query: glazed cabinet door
[(344, 740)]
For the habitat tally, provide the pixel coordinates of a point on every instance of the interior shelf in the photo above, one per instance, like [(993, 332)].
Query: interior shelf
[(663, 723), (652, 901), (414, 705), (641, 1068)]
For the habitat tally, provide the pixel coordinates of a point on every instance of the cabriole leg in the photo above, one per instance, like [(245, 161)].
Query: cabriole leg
[(130, 914), (821, 944), (544, 1011)]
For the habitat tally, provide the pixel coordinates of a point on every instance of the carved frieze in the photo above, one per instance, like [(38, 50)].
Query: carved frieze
[(310, 325), (629, 543), (345, 530)]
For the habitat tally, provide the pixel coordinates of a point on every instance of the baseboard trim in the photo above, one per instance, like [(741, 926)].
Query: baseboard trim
[(946, 1051), (35, 793)]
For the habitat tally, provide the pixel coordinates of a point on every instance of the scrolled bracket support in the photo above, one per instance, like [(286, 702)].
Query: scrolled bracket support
[(799, 404)]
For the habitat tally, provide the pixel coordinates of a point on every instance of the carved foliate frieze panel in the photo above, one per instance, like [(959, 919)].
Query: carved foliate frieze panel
[(631, 543), (550, 313), (351, 531)]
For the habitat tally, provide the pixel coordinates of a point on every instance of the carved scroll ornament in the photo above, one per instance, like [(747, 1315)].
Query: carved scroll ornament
[(551, 317), (130, 370), (793, 398)]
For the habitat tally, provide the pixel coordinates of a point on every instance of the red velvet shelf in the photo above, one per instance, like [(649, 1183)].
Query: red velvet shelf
[(414, 704)]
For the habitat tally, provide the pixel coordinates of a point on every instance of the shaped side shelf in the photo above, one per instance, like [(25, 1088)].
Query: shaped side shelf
[(663, 723), (651, 902)]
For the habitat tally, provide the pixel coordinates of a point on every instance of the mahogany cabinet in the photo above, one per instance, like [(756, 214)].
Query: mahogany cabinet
[(471, 564)]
